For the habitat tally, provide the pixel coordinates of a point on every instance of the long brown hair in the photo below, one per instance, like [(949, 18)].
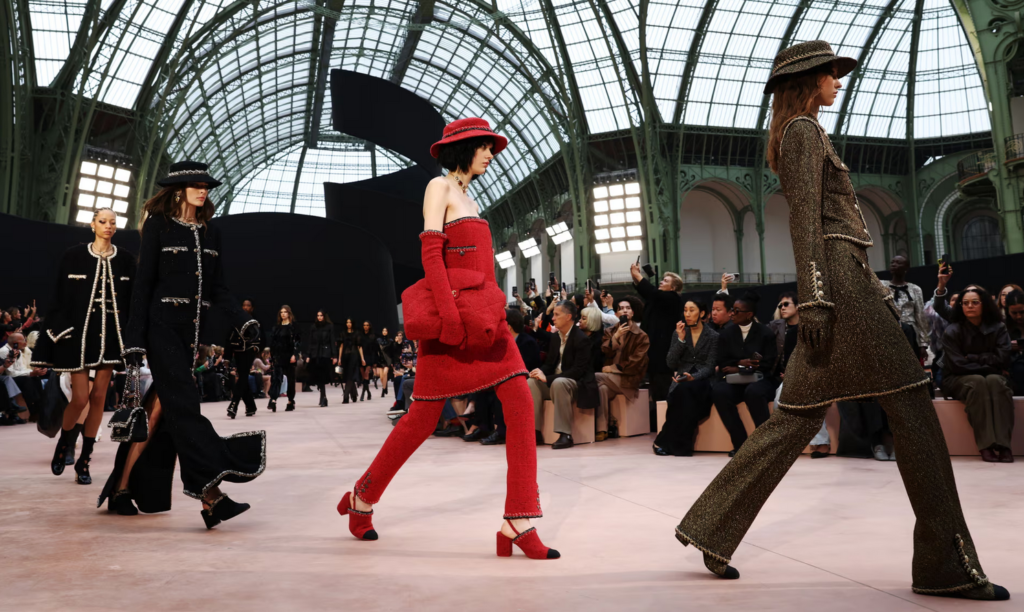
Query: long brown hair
[(163, 203), (792, 98), (291, 315)]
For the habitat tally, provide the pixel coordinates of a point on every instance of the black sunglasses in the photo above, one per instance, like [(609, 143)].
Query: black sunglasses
[(784, 304), (738, 311)]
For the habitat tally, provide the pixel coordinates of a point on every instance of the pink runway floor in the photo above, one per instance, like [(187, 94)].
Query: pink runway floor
[(835, 536)]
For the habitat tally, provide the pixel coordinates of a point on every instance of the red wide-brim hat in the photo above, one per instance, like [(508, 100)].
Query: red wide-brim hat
[(471, 127)]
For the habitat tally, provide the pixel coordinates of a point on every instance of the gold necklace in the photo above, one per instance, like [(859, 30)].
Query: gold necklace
[(464, 187)]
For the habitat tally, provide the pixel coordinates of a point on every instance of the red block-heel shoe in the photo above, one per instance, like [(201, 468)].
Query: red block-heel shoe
[(527, 541), (359, 523)]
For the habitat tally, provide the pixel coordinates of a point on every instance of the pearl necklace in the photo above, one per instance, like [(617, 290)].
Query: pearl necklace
[(464, 187)]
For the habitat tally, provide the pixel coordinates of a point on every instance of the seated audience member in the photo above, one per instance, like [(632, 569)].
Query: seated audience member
[(721, 312), (1015, 324), (28, 378), (488, 406), (786, 327), (625, 361), (662, 307), (10, 362), (909, 301), (566, 376), (977, 352), (1005, 291), (608, 319), (258, 374), (693, 356), (749, 345), (591, 323)]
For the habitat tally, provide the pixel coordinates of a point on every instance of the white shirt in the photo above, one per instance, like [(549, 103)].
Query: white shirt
[(745, 329), (561, 350)]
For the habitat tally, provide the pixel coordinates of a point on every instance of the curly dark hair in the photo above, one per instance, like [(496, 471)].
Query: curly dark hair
[(458, 156), (635, 303), (989, 308)]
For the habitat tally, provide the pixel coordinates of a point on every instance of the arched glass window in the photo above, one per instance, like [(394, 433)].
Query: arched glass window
[(982, 238)]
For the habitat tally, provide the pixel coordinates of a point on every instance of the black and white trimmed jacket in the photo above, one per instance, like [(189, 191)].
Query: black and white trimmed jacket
[(179, 279), (90, 304)]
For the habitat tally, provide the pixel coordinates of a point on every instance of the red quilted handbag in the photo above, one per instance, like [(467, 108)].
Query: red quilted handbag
[(481, 307)]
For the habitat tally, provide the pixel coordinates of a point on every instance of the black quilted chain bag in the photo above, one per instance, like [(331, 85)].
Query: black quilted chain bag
[(129, 421)]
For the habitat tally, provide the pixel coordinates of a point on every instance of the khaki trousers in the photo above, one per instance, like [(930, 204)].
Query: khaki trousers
[(988, 401), (562, 393), (608, 386)]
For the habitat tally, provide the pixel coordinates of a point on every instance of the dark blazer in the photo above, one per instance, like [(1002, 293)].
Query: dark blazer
[(975, 350), (576, 365), (699, 361), (179, 278), (662, 310), (732, 348), (76, 321), (529, 351)]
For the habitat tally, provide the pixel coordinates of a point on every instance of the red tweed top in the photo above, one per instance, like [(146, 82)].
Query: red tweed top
[(444, 371)]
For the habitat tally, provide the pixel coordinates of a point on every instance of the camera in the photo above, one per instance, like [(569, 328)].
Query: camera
[(624, 320), (515, 290)]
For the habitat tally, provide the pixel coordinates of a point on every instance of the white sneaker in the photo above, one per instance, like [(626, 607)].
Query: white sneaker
[(880, 454)]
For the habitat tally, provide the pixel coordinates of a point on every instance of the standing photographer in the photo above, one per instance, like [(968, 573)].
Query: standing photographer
[(662, 310)]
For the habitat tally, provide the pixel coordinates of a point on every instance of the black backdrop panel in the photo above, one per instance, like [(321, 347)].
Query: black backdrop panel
[(390, 207), (384, 113), (270, 258)]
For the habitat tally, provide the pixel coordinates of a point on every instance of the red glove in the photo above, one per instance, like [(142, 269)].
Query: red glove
[(453, 333)]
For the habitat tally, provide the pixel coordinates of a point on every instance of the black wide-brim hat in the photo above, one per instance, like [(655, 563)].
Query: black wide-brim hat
[(188, 172), (803, 58)]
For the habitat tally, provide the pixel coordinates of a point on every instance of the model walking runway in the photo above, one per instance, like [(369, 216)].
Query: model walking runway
[(850, 347), (179, 280), (458, 314)]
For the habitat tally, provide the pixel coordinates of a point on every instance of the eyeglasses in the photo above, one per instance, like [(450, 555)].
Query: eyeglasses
[(784, 305), (738, 311)]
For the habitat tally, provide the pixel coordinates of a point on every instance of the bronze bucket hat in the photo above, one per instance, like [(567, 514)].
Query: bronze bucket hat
[(803, 57)]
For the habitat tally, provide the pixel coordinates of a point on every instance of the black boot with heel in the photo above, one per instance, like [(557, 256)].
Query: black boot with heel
[(82, 476), (65, 442)]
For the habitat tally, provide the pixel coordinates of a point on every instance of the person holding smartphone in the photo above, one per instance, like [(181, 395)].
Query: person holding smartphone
[(625, 349), (662, 306), (693, 356)]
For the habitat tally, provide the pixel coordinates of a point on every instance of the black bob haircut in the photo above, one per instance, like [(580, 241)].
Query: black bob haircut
[(989, 309), (458, 156)]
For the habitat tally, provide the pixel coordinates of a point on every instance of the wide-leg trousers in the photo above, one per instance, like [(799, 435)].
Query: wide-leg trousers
[(945, 558), (206, 458), (522, 497)]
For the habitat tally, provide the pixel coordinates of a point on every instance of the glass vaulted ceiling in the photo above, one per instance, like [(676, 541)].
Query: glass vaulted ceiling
[(246, 95)]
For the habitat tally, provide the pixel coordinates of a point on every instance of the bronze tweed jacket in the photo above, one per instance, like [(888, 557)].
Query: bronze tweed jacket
[(867, 355)]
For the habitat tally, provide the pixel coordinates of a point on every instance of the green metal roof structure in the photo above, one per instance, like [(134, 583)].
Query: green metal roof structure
[(581, 88)]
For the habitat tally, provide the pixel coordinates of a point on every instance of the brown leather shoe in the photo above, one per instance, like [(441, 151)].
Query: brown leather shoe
[(989, 456), (1005, 455)]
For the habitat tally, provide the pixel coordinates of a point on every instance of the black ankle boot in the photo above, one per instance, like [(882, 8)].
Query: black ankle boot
[(272, 406), (82, 476), (250, 407), (64, 442), (290, 406), (233, 408), (121, 503), (221, 509), (323, 397)]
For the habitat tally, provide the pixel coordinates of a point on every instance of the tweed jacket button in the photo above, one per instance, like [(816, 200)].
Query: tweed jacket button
[(195, 321), (197, 272)]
